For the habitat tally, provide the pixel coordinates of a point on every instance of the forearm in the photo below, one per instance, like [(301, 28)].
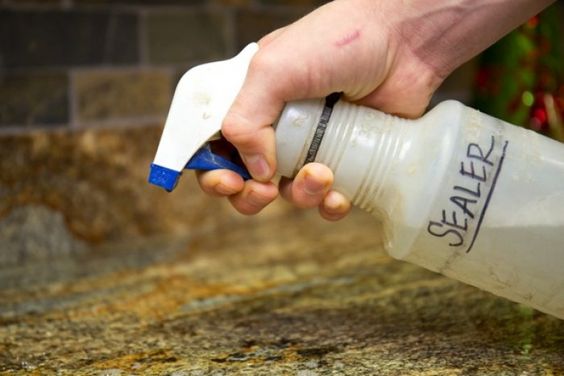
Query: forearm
[(444, 34)]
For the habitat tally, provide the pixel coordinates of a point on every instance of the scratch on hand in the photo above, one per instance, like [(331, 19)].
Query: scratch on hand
[(347, 39)]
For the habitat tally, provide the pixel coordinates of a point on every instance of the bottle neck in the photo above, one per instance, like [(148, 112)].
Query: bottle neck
[(367, 143), (362, 147)]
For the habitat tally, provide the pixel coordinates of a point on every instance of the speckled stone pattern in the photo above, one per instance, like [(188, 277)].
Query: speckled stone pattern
[(61, 191), (287, 294)]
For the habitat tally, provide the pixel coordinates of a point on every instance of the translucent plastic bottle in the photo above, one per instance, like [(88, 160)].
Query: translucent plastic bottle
[(459, 192)]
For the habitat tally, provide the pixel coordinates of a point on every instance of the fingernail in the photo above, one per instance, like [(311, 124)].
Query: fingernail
[(313, 186), (333, 203), (258, 167)]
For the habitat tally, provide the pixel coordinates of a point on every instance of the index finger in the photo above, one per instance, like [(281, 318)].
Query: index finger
[(247, 125)]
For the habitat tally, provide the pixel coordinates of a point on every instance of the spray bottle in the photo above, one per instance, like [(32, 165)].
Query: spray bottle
[(458, 192)]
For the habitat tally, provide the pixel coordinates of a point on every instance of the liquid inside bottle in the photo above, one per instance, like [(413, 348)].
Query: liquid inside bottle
[(459, 192)]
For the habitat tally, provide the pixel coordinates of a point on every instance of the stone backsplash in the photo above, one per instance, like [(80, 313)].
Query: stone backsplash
[(68, 63)]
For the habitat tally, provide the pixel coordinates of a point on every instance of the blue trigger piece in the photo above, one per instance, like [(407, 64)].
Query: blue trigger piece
[(205, 160)]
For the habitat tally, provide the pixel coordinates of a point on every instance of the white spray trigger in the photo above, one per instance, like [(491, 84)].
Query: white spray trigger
[(202, 98)]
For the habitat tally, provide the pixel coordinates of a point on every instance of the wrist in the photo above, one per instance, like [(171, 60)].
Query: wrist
[(444, 34)]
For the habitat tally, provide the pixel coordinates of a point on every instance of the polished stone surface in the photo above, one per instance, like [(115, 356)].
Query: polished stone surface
[(279, 294)]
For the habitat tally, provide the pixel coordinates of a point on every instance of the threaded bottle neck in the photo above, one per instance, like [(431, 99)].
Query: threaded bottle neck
[(360, 145), (366, 142)]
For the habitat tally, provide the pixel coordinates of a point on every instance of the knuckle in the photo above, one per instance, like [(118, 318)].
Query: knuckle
[(231, 128), (204, 184), (243, 205), (263, 63), (245, 208), (302, 201), (241, 132), (237, 131)]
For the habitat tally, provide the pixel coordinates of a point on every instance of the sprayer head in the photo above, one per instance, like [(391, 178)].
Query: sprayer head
[(202, 98)]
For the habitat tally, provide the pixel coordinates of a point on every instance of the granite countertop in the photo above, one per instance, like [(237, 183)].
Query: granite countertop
[(288, 294)]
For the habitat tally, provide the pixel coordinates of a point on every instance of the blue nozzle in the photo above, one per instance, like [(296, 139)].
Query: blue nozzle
[(204, 160), (163, 177)]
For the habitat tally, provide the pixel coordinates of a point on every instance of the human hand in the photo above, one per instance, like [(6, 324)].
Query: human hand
[(322, 53), (387, 55)]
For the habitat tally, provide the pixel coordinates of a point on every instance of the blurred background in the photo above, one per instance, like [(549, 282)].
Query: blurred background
[(85, 86)]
